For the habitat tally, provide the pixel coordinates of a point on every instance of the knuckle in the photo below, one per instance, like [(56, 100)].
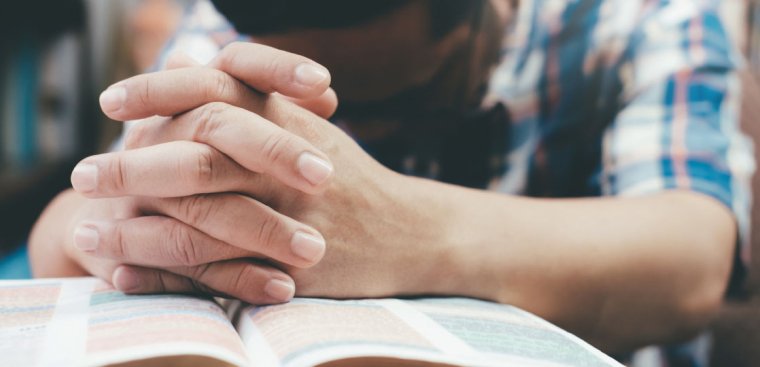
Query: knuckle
[(277, 66), (219, 86), (194, 209), (117, 178), (205, 168), (208, 121), (276, 146), (145, 91), (269, 227), (119, 247), (183, 249), (243, 279), (162, 283)]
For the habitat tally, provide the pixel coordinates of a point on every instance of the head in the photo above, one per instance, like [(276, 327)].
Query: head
[(385, 56)]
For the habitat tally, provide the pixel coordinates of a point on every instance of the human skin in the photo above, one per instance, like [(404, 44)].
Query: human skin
[(200, 193)]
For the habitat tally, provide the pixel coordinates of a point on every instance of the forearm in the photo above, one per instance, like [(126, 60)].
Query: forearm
[(47, 253), (618, 272)]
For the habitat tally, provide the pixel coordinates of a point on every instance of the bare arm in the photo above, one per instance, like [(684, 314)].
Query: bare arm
[(47, 250), (620, 272)]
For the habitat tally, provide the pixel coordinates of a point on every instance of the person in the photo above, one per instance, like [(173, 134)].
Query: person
[(579, 159)]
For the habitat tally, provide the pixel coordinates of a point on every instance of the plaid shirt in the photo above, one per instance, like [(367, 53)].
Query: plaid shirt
[(624, 98), (604, 98)]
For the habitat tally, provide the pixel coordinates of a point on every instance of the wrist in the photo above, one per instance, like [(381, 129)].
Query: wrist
[(434, 262), (48, 254)]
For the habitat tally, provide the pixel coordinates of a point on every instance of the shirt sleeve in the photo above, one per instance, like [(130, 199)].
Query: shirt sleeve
[(679, 124)]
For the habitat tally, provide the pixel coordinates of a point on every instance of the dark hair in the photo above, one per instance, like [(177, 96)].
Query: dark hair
[(259, 17)]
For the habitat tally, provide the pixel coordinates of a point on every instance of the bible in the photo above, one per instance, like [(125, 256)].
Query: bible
[(85, 322)]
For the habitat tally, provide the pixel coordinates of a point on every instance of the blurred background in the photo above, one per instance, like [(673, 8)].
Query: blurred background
[(56, 56)]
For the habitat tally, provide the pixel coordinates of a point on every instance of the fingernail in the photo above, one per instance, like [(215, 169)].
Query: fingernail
[(280, 290), (84, 177), (307, 246), (125, 279), (310, 75), (316, 170), (112, 99), (86, 237)]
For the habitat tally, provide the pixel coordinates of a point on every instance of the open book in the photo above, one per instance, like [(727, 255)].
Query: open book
[(85, 322)]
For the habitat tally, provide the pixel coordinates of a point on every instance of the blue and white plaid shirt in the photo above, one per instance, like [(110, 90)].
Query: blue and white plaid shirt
[(605, 97), (646, 90)]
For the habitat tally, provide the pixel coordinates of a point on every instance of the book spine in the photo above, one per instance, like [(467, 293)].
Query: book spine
[(3, 76), (63, 81), (9, 116), (28, 95), (59, 84)]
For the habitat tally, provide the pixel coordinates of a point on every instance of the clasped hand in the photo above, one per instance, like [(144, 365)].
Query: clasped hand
[(233, 183)]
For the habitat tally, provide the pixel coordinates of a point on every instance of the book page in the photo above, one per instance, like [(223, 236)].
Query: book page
[(85, 322), (25, 312), (308, 332), (497, 331)]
